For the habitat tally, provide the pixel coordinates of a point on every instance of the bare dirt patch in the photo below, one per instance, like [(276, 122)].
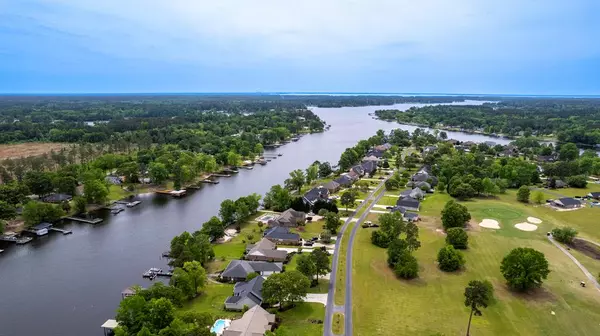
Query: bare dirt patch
[(29, 149), (586, 248)]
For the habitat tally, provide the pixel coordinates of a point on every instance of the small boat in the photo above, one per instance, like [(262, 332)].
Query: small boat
[(132, 204), (279, 154)]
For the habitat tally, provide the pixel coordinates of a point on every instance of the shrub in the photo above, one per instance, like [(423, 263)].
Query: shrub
[(407, 266), (523, 194), (323, 212), (449, 259), (458, 238), (564, 235)]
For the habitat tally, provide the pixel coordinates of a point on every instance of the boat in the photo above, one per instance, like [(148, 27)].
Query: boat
[(132, 204), (279, 154)]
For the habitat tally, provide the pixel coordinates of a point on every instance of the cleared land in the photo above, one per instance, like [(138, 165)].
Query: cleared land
[(433, 303), (11, 151)]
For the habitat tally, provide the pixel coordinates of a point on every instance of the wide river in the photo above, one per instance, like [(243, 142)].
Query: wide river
[(69, 285)]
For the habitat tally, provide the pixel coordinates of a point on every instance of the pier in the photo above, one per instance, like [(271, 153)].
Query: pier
[(65, 232), (12, 238), (174, 193), (209, 181), (155, 272), (85, 220), (229, 171)]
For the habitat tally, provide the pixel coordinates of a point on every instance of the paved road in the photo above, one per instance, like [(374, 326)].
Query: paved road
[(331, 308), (348, 299), (587, 273)]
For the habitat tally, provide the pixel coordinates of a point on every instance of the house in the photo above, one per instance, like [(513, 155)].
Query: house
[(452, 142), (369, 167), (490, 143), (546, 158), (371, 158), (255, 322), (332, 186), (358, 169), (315, 194), (411, 216), (567, 203), (41, 229), (375, 152), (282, 235), (238, 270), (246, 294), (113, 180), (422, 185), (57, 198), (344, 181), (429, 149), (409, 203), (265, 250), (595, 195), (420, 177), (353, 175), (468, 144), (415, 193), (557, 184), (288, 218)]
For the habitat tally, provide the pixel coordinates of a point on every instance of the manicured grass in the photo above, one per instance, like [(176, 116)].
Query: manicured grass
[(433, 303), (310, 229), (387, 200), (234, 248), (340, 284), (116, 193), (212, 301), (297, 321), (591, 187), (338, 324)]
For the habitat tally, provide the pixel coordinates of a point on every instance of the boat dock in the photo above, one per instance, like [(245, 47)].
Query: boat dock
[(85, 220), (155, 272), (65, 232), (210, 181), (116, 211), (229, 171), (174, 193), (12, 238), (219, 175)]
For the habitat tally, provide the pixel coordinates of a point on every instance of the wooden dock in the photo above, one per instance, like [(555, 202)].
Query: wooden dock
[(210, 181), (85, 220), (65, 232), (15, 239)]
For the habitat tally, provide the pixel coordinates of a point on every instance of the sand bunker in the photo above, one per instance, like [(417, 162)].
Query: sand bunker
[(534, 220), (490, 224), (526, 227)]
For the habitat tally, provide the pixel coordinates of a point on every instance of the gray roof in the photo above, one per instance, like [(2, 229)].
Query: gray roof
[(411, 215), (358, 169), (415, 193), (279, 232), (251, 289), (408, 202), (57, 198), (332, 185), (421, 176), (369, 166), (255, 322), (263, 244), (595, 194), (241, 268), (400, 209), (344, 180), (316, 193), (42, 226), (569, 201)]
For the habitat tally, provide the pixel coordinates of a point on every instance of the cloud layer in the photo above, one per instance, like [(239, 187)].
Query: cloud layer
[(313, 45)]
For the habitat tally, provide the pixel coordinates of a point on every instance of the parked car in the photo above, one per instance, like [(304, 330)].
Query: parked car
[(308, 243), (389, 207)]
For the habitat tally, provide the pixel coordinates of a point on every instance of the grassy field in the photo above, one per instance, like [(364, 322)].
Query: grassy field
[(212, 301), (234, 248), (433, 303), (338, 324), (591, 187), (311, 229), (27, 149), (297, 321)]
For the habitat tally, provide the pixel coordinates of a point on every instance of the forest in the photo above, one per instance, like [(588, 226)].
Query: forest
[(567, 120)]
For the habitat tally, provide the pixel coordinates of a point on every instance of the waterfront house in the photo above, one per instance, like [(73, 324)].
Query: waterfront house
[(238, 270), (288, 218), (595, 195), (547, 158), (429, 149), (375, 152), (371, 158), (358, 169), (116, 180), (409, 203), (255, 322), (344, 181), (369, 167), (567, 203), (41, 229), (265, 250), (415, 193), (353, 175), (315, 194), (282, 235), (453, 142), (246, 294), (332, 186), (57, 198)]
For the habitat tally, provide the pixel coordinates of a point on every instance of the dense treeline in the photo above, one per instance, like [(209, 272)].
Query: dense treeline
[(569, 120)]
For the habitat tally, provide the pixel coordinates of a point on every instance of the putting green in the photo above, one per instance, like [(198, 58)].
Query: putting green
[(504, 214)]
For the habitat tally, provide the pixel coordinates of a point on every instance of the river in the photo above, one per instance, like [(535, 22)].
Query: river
[(69, 285)]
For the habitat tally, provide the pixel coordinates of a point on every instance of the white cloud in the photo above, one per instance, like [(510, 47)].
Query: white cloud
[(322, 32)]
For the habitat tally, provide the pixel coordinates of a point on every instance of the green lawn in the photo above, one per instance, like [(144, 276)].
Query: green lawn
[(433, 303), (591, 187), (297, 321), (234, 248), (116, 193), (212, 301), (338, 324), (387, 200), (310, 229)]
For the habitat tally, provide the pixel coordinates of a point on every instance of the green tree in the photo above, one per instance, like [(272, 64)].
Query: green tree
[(538, 197), (450, 259), (278, 198), (213, 228), (564, 235), (312, 173), (455, 215), (227, 211), (2, 226), (391, 184), (161, 313), (37, 212), (577, 181), (489, 187), (297, 179), (321, 259), (158, 172), (524, 268), (306, 266), (65, 184), (287, 287), (233, 159), (7, 211), (80, 204), (325, 169), (407, 266), (197, 275), (348, 198), (523, 194), (478, 294), (132, 314), (332, 222), (39, 183), (457, 237), (568, 152), (95, 191), (183, 281)]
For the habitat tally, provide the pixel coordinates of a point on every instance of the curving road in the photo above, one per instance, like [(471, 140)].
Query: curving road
[(587, 273), (331, 308)]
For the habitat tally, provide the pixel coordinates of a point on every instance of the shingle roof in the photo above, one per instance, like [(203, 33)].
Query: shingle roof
[(344, 180), (42, 226), (56, 198), (332, 185), (316, 193), (569, 201), (241, 268), (256, 321), (283, 233), (251, 289), (408, 202)]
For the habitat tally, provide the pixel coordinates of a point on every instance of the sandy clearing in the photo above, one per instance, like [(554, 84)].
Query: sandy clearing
[(28, 149), (534, 220), (526, 226), (490, 224)]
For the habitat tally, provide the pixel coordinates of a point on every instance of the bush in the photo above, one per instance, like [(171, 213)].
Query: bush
[(326, 237), (380, 239), (407, 267), (455, 215), (449, 259), (323, 212), (523, 194), (458, 238), (577, 181), (564, 235)]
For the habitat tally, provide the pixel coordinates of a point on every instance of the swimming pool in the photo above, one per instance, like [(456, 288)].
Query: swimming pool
[(267, 217), (219, 326)]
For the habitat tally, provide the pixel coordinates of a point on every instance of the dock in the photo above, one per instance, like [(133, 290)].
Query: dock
[(174, 193), (209, 181), (116, 211), (247, 167), (85, 220), (24, 240), (65, 232), (156, 272), (12, 238), (229, 171), (220, 175)]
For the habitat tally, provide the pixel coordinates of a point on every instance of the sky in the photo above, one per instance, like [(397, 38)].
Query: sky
[(395, 46)]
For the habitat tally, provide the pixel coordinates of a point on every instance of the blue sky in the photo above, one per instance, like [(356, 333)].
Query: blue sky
[(459, 46)]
